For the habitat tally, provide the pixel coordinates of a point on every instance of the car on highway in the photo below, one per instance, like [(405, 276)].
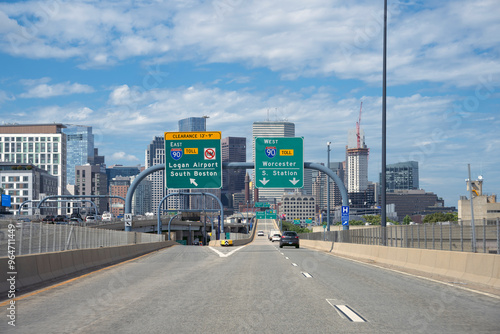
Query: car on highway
[(90, 219), (260, 233), (60, 218), (276, 237), (49, 218), (289, 238), (75, 221)]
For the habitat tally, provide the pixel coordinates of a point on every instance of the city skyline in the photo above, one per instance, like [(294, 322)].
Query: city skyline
[(132, 71)]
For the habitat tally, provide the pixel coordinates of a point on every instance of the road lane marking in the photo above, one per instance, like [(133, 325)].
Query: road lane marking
[(307, 275), (346, 312), (225, 254), (349, 313), (294, 264), (286, 258)]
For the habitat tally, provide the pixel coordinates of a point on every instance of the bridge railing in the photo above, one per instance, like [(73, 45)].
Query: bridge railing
[(31, 238), (449, 236)]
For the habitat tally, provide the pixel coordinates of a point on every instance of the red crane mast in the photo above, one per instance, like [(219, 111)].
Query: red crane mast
[(358, 124)]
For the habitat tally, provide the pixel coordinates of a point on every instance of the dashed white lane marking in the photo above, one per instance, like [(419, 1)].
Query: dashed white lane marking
[(307, 275), (286, 258), (347, 312), (294, 264), (226, 254)]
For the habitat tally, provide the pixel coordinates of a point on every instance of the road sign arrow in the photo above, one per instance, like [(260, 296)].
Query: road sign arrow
[(264, 181), (192, 181), (294, 181)]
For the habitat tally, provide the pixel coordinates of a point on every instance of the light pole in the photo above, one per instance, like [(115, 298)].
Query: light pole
[(328, 188), (248, 225)]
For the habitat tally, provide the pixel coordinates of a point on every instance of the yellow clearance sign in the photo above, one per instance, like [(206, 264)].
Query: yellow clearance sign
[(192, 135), (286, 153)]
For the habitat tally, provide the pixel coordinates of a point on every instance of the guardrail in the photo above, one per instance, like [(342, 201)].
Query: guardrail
[(33, 238), (439, 236)]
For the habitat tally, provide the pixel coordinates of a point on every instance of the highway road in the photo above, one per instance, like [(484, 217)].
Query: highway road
[(258, 288)]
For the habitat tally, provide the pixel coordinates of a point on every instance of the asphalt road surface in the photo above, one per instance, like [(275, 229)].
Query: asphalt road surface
[(258, 288)]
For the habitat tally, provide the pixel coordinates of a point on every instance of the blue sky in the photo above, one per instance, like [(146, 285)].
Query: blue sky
[(132, 69)]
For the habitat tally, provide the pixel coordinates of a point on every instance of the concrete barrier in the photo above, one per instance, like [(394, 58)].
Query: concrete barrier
[(471, 267), (35, 269)]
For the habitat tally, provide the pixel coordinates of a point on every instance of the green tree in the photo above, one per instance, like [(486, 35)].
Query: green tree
[(406, 220), (441, 217), (288, 226)]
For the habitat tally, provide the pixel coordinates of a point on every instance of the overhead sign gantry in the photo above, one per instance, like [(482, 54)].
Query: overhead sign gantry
[(193, 160)]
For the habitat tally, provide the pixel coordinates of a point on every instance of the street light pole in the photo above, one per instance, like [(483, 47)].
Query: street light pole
[(328, 188)]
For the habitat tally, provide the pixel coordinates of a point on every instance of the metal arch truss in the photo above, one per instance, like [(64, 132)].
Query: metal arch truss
[(61, 200), (77, 196), (160, 227), (230, 165)]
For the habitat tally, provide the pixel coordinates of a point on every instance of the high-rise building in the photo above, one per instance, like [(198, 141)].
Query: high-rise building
[(92, 180), (118, 186), (80, 147), (25, 182), (43, 145), (120, 170), (271, 129), (401, 176), (141, 201), (320, 187), (155, 154), (233, 180), (357, 170), (193, 124)]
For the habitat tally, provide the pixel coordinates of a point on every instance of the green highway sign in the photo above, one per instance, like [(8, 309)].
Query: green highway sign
[(279, 162), (262, 205), (193, 160), (296, 221), (268, 214), (309, 221)]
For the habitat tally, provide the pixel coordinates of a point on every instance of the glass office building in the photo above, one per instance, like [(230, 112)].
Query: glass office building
[(80, 147), (193, 124)]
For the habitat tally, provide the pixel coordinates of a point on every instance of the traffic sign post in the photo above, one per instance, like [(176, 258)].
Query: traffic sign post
[(279, 162), (193, 160), (345, 217), (127, 218)]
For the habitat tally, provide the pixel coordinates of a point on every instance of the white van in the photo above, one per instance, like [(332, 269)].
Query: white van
[(107, 216)]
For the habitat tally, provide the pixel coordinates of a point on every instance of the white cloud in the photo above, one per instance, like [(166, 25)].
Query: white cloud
[(454, 42), (44, 90), (122, 156)]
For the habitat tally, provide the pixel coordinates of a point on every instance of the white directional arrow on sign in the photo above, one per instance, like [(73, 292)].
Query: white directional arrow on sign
[(192, 181), (264, 181), (294, 181)]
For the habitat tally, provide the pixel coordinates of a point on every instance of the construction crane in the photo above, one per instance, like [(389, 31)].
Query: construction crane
[(358, 124)]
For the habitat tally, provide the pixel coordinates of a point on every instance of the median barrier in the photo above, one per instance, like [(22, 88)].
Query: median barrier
[(35, 269), (27, 275), (472, 267), (479, 267), (43, 267)]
